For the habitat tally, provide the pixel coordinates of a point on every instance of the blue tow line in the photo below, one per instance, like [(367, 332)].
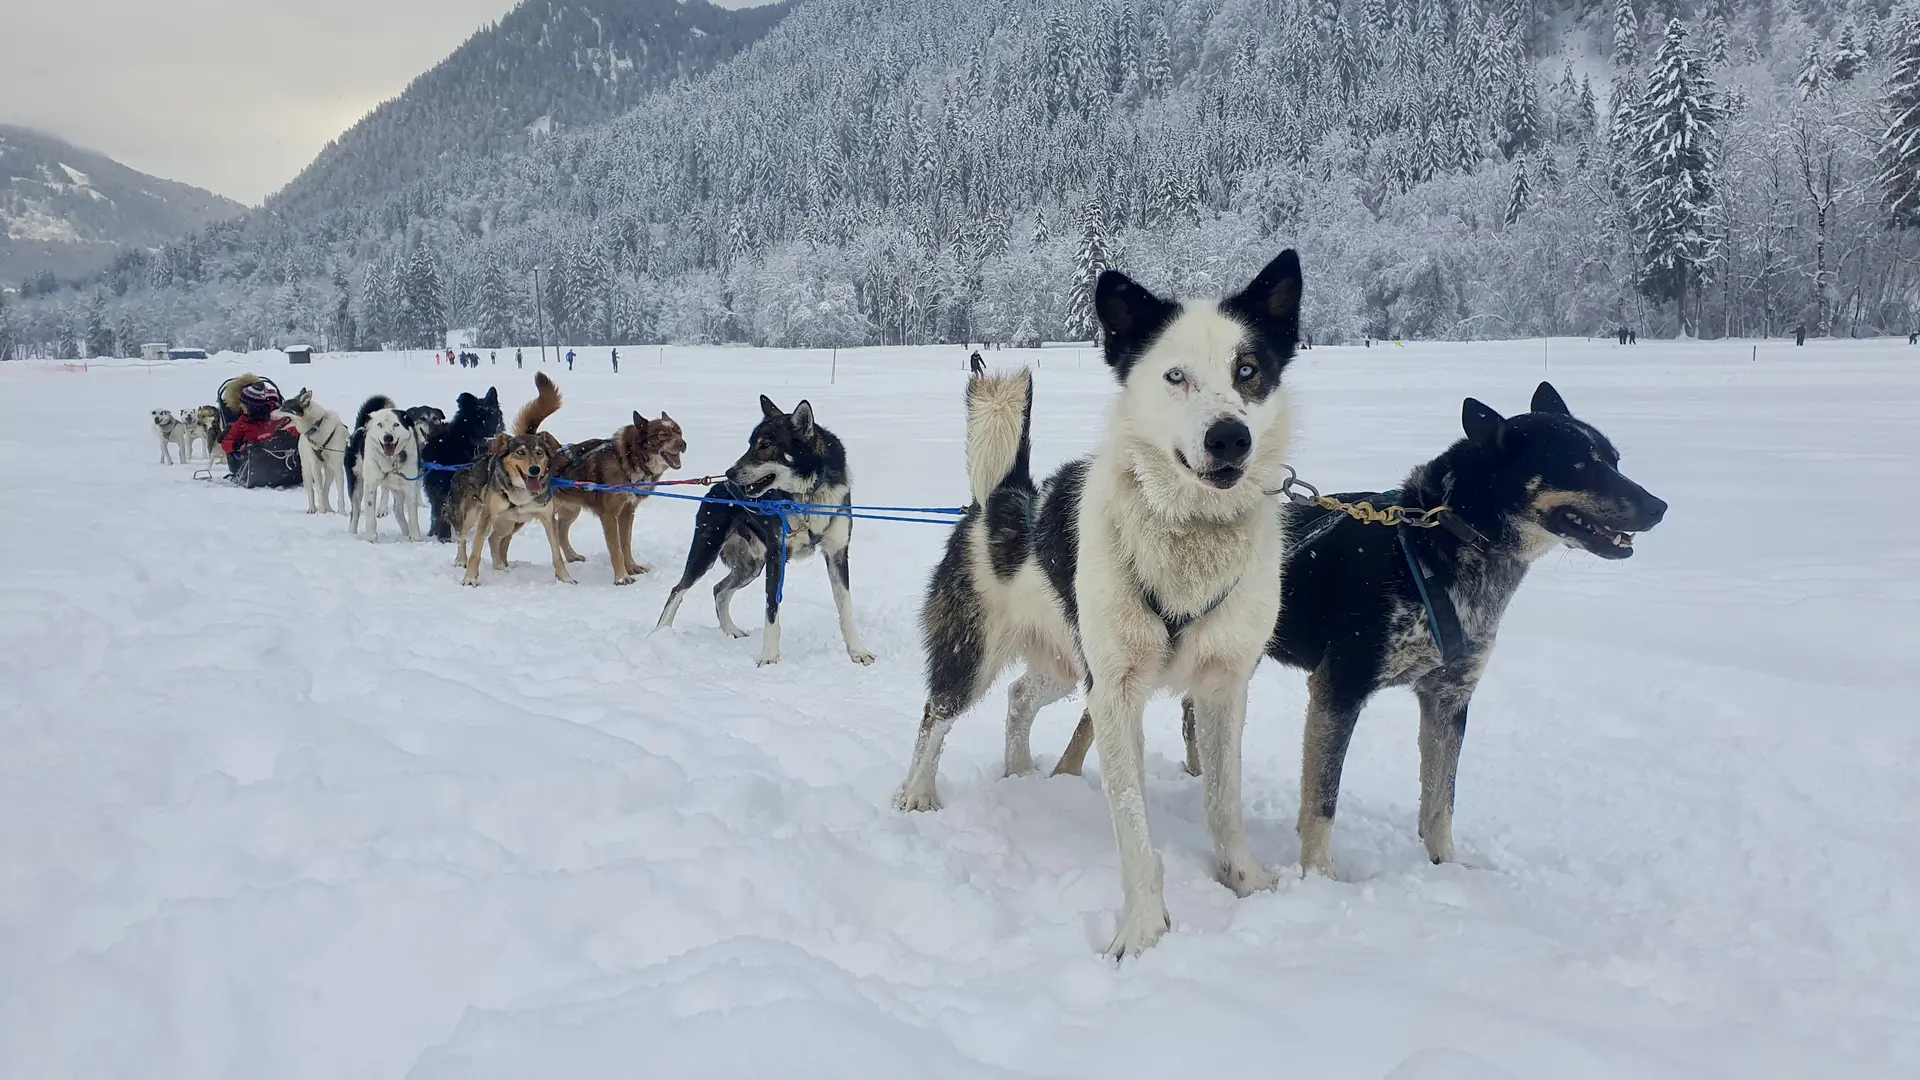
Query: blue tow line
[(783, 509)]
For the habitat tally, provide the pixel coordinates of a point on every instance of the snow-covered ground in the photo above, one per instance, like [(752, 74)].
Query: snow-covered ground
[(275, 803)]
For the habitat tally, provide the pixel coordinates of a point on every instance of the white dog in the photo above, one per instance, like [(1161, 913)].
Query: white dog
[(323, 451), (172, 433), (389, 461), (1149, 566)]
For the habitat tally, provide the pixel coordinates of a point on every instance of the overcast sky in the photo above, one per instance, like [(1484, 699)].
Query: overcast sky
[(235, 96)]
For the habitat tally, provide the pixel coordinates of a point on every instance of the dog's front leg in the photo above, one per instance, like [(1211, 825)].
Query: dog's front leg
[(310, 476), (1443, 727), (369, 493), (1221, 714), (839, 576), (1118, 704), (408, 510), (482, 532), (776, 577), (558, 548)]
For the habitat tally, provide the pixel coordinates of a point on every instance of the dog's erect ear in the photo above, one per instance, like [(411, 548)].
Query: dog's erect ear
[(639, 421), (768, 409), (1547, 399), (1483, 426), (1271, 301), (1130, 316), (465, 401), (803, 419), (493, 395), (499, 443), (547, 440)]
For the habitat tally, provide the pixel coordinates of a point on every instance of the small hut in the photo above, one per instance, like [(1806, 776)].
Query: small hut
[(299, 354)]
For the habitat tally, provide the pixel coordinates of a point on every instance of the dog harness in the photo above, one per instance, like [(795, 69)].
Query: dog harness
[(1443, 618), (1178, 624)]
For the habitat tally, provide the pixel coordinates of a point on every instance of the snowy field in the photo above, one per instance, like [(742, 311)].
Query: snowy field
[(275, 803)]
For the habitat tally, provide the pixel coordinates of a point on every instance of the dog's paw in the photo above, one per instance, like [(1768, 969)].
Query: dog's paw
[(767, 661), (1247, 880), (576, 558), (565, 579), (623, 581), (1138, 934), (861, 656), (638, 569), (472, 583), (736, 633), (916, 801)]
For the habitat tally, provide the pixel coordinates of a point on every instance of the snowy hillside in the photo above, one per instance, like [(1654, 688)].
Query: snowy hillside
[(873, 172), (283, 804), (68, 211), (546, 65)]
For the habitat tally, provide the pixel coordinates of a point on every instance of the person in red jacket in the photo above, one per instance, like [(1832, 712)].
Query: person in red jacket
[(257, 424)]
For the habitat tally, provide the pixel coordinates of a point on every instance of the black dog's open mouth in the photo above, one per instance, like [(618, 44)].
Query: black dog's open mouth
[(1597, 537), (754, 489)]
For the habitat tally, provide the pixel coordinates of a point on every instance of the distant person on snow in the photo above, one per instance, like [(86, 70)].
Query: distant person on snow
[(1633, 336), (978, 365), (569, 359), (493, 357), (1914, 338), (616, 361), (519, 358), (1800, 334), (1621, 334)]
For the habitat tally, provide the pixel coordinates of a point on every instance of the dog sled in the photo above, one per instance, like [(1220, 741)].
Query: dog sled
[(270, 463)]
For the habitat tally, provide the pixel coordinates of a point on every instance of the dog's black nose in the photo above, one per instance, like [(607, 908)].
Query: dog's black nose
[(1228, 442), (1656, 509), (533, 470)]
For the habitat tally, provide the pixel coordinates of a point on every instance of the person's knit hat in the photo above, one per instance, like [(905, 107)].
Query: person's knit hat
[(260, 395)]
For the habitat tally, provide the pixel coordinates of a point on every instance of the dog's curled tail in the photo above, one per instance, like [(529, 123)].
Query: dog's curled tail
[(373, 405), (535, 412), (999, 413)]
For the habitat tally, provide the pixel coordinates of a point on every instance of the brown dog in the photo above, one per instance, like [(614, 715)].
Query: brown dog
[(510, 485), (639, 453)]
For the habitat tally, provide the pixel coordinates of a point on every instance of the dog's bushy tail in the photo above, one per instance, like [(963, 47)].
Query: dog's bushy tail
[(373, 405), (999, 416), (535, 412)]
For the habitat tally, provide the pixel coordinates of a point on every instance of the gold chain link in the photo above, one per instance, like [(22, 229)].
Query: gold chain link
[(1365, 513)]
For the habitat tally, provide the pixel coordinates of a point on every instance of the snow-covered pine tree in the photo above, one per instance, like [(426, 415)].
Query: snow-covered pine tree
[(343, 333), (1159, 61), (493, 305), (1522, 120), (1041, 234), (1626, 37), (1521, 192), (1089, 261), (8, 333), (1848, 55), (99, 330), (1900, 144), (66, 344), (1674, 166), (425, 300), (1813, 77)]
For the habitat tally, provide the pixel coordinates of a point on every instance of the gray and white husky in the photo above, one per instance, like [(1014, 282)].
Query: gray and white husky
[(171, 434), (323, 450), (1147, 566)]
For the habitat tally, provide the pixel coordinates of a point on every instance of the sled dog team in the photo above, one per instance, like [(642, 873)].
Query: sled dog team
[(1162, 561)]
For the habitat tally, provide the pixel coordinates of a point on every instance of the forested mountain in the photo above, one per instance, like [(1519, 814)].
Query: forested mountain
[(68, 211), (880, 171), (548, 65)]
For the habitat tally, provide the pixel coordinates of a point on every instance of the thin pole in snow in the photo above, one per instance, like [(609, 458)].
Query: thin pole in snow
[(1543, 354), (833, 372)]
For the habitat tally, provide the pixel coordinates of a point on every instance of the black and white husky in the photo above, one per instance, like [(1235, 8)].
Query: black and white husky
[(1147, 566), (791, 458), (386, 462), (1354, 615)]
